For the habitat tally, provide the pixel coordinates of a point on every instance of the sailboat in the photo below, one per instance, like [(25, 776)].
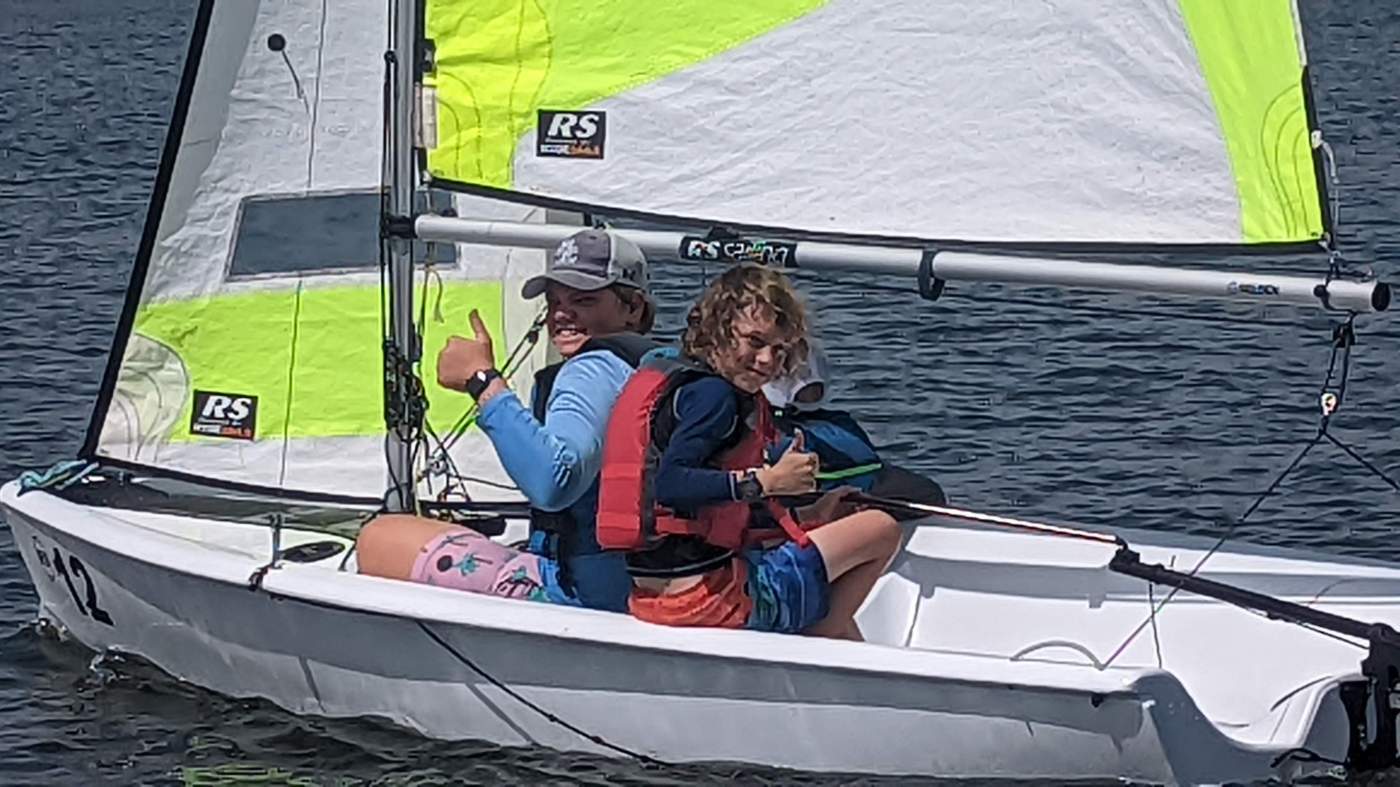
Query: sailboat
[(336, 176)]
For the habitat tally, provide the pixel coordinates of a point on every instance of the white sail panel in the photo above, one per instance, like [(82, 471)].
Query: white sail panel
[(1154, 121), (256, 347)]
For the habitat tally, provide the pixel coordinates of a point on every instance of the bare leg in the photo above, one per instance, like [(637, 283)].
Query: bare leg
[(389, 544), (856, 549)]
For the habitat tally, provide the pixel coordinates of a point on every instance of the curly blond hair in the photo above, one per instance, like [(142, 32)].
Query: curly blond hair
[(710, 324)]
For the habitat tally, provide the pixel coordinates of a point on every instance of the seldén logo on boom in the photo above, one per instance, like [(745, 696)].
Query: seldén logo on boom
[(562, 134), (224, 415)]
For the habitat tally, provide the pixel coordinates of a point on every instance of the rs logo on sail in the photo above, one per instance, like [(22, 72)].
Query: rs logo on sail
[(224, 407), (567, 125), (563, 134), (224, 415)]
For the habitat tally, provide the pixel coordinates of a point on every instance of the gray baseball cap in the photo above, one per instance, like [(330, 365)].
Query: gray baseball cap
[(592, 260)]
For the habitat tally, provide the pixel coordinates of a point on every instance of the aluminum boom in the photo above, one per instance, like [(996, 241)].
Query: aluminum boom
[(910, 263)]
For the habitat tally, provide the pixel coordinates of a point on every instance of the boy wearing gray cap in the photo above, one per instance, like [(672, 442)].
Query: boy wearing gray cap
[(597, 301)]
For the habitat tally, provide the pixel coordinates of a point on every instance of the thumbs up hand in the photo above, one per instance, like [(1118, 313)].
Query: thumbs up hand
[(798, 444), (462, 357), (795, 471)]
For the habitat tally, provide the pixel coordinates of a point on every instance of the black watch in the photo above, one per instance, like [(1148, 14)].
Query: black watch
[(749, 488), (476, 384)]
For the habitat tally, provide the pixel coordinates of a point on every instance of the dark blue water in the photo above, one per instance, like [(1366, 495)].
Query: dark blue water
[(1045, 410)]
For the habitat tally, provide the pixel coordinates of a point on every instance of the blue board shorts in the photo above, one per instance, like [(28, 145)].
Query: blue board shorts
[(599, 580), (789, 588), (595, 584)]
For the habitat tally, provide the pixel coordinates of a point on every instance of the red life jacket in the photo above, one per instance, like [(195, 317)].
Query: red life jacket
[(628, 516)]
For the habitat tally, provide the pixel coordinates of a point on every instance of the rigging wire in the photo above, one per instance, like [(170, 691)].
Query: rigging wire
[(1344, 337), (518, 355), (547, 715), (1334, 207), (443, 464), (1152, 616), (441, 461), (1364, 462)]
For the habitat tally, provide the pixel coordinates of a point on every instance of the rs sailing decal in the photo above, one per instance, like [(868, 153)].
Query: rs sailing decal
[(224, 415), (571, 134), (735, 249)]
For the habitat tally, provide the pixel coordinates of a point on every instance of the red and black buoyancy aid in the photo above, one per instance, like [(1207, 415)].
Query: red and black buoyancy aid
[(638, 432)]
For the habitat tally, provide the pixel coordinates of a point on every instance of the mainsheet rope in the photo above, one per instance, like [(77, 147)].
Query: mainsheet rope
[(1329, 399)]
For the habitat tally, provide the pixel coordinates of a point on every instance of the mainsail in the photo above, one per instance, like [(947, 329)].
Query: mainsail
[(251, 349), (1146, 123), (251, 345)]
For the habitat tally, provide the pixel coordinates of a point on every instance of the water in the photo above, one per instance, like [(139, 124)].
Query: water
[(1041, 410)]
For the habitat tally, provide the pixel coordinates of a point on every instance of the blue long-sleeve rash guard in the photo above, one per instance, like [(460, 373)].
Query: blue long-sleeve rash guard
[(707, 413), (556, 463)]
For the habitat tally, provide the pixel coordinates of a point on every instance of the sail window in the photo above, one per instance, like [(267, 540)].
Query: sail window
[(320, 233)]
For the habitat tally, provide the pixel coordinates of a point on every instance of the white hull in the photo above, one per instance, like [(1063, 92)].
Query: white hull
[(940, 689)]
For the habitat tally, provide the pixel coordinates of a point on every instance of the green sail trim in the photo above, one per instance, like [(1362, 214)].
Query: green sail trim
[(1249, 53), (243, 344), (499, 61)]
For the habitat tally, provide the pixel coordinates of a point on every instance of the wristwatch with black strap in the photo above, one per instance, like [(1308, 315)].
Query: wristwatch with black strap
[(747, 488), (476, 384)]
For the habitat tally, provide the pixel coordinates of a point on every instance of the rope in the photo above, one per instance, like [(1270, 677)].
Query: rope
[(548, 716), (518, 355), (255, 580), (58, 476), (1364, 462), (1152, 616), (976, 516), (442, 462), (1330, 399)]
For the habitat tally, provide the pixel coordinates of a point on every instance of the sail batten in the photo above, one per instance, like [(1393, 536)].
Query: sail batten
[(1157, 123)]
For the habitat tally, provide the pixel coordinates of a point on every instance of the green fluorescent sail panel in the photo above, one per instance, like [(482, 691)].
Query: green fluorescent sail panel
[(520, 57), (1161, 121), (256, 350), (1250, 55), (312, 357)]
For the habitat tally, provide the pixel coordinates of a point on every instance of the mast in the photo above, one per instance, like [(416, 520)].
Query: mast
[(403, 412)]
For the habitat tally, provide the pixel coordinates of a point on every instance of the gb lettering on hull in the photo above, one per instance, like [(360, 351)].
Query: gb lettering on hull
[(224, 415)]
